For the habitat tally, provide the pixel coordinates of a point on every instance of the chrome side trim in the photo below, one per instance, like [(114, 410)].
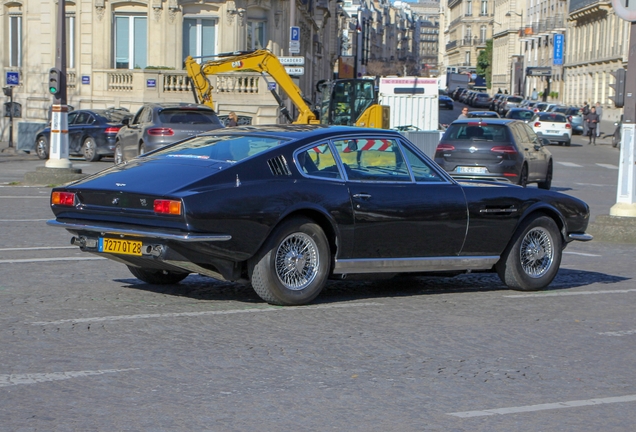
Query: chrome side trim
[(580, 236), (140, 232), (404, 265)]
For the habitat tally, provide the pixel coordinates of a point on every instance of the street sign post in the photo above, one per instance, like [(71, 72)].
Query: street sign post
[(294, 40), (12, 78), (295, 70)]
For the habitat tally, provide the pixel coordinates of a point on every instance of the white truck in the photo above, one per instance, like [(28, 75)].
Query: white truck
[(414, 102), (454, 80)]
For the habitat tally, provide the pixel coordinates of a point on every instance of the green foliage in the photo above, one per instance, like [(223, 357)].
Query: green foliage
[(484, 63), (554, 95)]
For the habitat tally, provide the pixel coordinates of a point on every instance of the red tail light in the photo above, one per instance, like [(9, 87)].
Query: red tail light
[(570, 118), (504, 149), (63, 198), (537, 124), (111, 130), (160, 132), (445, 147), (172, 207), (568, 126)]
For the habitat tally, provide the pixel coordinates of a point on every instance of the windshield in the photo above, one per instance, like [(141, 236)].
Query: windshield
[(228, 148)]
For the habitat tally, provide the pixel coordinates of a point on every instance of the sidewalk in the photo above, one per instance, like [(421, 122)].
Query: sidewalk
[(11, 154)]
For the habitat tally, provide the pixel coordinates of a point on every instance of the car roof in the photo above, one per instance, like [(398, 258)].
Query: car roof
[(472, 121), (164, 105), (298, 132)]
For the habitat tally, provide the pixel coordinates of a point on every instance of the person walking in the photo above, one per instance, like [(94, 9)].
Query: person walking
[(535, 95), (592, 122), (599, 111), (585, 110), (464, 113), (232, 119)]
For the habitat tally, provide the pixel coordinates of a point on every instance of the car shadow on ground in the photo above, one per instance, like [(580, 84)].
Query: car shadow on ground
[(203, 288)]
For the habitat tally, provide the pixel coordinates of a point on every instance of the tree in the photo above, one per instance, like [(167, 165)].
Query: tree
[(484, 63)]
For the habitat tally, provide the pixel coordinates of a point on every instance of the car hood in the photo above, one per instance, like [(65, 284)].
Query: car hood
[(152, 175)]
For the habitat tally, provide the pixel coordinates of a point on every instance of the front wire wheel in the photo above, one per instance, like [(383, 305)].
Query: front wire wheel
[(293, 266), (532, 259)]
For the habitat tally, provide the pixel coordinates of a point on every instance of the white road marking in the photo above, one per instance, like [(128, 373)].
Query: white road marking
[(192, 314), (582, 254), (570, 164), (23, 220), (39, 248), (21, 379), (31, 260), (591, 184), (543, 407), (609, 166), (619, 333), (559, 294)]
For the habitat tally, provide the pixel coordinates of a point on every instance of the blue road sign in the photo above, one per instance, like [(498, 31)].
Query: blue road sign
[(86, 79), (295, 34), (558, 50), (151, 83), (13, 78)]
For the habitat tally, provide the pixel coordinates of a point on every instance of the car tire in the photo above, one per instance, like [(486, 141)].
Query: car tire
[(294, 264), (118, 155), (616, 139), (42, 147), (532, 258), (523, 177), (157, 277), (568, 143), (142, 149), (89, 150), (547, 183)]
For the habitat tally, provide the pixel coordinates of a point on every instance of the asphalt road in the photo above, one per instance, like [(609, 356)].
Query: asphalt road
[(86, 346)]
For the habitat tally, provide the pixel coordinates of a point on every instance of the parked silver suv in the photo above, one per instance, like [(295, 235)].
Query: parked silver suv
[(157, 125)]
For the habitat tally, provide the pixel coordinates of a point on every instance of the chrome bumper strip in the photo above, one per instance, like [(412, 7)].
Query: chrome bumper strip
[(580, 237), (140, 232), (400, 265)]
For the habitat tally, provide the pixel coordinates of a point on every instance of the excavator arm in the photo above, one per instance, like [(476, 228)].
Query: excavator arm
[(261, 61)]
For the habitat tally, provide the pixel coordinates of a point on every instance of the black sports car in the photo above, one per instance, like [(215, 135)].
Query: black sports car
[(287, 207)]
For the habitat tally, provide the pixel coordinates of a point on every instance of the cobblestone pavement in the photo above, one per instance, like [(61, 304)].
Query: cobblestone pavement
[(86, 346)]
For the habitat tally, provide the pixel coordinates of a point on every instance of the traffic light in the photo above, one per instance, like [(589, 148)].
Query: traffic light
[(619, 87), (55, 82)]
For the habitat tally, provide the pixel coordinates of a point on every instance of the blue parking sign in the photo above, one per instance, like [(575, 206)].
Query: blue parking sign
[(295, 34), (13, 78)]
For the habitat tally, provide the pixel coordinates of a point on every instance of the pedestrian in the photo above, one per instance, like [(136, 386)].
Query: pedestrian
[(464, 113), (592, 122), (599, 111), (585, 110), (232, 119), (535, 95)]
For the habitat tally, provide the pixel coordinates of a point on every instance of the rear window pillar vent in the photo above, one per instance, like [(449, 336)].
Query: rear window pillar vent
[(278, 166)]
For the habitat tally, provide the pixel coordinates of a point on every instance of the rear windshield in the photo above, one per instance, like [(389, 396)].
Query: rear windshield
[(574, 111), (115, 116), (552, 117), (188, 116), (521, 114), (232, 148), (514, 99), (469, 131)]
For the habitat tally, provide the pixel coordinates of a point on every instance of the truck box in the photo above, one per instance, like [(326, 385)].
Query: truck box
[(414, 102)]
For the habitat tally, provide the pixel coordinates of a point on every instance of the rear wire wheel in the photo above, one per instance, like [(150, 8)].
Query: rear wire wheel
[(293, 266), (533, 256), (157, 277)]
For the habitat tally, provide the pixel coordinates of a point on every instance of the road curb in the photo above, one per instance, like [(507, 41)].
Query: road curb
[(613, 229)]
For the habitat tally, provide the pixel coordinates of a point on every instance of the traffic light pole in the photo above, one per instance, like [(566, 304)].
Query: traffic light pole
[(58, 148), (626, 190)]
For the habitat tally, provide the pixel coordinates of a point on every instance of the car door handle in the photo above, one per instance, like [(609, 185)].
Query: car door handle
[(362, 195)]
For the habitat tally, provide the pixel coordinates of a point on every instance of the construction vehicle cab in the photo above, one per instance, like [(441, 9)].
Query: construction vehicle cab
[(344, 101)]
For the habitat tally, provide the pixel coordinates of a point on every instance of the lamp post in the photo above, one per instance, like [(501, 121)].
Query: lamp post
[(517, 67)]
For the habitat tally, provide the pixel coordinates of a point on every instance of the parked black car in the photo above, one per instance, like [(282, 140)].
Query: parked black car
[(495, 149), (91, 133), (287, 207)]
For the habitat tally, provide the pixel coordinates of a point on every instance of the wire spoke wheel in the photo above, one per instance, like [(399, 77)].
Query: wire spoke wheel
[(297, 261), (536, 252)]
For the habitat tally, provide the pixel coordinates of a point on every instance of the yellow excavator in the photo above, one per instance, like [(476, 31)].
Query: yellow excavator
[(350, 102)]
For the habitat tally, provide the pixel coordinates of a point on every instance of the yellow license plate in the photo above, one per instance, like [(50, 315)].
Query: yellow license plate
[(118, 246)]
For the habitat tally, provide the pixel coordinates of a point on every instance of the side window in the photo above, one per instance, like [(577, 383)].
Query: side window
[(138, 117), (422, 171), (369, 159), (71, 118), (533, 138), (318, 161), (519, 135), (83, 118)]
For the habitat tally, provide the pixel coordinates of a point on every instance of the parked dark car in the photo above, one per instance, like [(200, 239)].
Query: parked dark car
[(482, 100), (524, 114), (508, 102), (287, 207), (157, 125), (446, 102), (91, 133), (495, 149)]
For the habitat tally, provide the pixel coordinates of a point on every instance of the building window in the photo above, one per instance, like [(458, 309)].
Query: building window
[(70, 41), (469, 7), (199, 37), (467, 58), (484, 7), (131, 46), (256, 35), (15, 40), (483, 33)]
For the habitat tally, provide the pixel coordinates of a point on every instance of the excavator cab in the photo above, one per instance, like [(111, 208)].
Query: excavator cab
[(351, 102)]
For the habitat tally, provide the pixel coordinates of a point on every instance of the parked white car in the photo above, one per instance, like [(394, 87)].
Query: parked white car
[(553, 126)]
